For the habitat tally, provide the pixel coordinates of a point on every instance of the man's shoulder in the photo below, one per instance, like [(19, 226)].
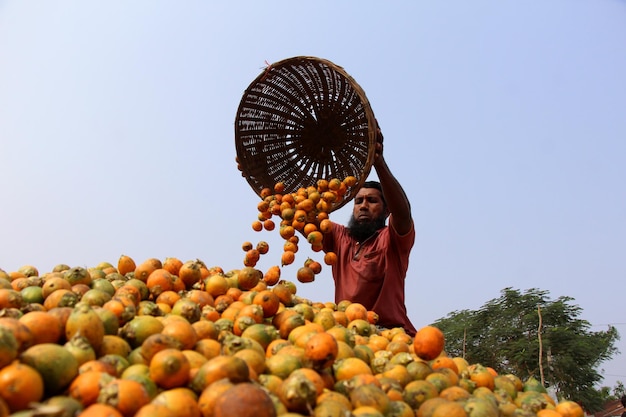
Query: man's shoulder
[(405, 241), (407, 236), (339, 228)]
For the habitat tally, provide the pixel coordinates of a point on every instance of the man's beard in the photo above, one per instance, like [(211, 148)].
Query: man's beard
[(362, 231)]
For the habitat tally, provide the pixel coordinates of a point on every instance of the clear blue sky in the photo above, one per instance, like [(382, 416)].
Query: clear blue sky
[(504, 121)]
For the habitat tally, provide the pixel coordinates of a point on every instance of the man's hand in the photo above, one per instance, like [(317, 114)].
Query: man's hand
[(378, 151), (239, 167)]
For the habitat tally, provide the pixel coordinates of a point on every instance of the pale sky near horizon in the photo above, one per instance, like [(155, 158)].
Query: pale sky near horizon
[(504, 121)]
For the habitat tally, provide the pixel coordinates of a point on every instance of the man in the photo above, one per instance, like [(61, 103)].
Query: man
[(373, 258)]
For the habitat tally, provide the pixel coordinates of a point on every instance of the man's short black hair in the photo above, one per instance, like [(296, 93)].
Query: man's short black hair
[(376, 185)]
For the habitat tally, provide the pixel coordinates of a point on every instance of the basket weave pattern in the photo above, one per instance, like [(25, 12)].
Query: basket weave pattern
[(301, 120)]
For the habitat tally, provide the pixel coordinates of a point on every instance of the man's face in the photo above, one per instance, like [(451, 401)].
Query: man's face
[(368, 205), (368, 215)]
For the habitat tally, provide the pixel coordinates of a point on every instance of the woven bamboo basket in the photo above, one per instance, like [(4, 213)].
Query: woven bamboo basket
[(304, 119)]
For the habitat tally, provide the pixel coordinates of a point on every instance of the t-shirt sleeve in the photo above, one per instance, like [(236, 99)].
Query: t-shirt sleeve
[(405, 242), (329, 244)]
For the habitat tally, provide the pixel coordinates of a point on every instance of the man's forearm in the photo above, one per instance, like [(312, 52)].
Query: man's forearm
[(395, 197)]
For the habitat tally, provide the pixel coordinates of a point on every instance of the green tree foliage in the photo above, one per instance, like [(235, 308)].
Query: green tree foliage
[(505, 334)]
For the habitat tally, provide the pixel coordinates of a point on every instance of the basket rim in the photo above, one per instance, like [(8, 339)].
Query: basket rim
[(354, 87)]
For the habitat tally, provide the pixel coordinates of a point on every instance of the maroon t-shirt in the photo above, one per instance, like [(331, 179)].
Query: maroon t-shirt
[(372, 273)]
